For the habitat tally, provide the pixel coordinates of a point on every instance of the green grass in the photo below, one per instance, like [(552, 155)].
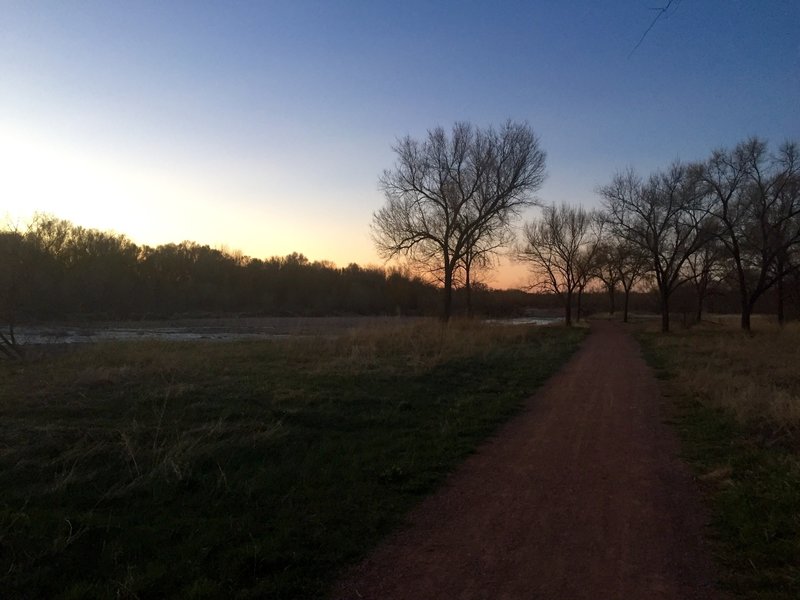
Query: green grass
[(748, 465), (247, 469)]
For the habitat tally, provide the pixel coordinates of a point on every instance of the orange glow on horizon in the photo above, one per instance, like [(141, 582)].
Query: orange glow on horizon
[(153, 206)]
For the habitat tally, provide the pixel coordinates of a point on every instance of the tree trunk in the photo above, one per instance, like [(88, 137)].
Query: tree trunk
[(744, 299), (746, 310), (625, 306), (568, 310), (611, 306), (699, 307), (701, 289), (781, 314), (468, 291), (580, 296), (448, 294), (664, 312)]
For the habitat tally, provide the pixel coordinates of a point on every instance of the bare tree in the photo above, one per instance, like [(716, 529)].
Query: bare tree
[(789, 290), (755, 199), (706, 268), (446, 191), (12, 266), (558, 247), (619, 263), (480, 254), (787, 264), (587, 259), (631, 263), (665, 217), (605, 269), (584, 270)]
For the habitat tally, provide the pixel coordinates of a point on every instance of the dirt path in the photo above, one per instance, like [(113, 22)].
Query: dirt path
[(581, 496)]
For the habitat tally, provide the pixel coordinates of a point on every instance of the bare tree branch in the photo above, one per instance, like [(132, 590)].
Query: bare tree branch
[(450, 198)]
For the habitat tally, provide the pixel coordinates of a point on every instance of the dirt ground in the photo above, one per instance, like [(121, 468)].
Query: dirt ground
[(580, 496)]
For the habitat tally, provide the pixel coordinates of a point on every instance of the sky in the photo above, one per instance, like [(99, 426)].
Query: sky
[(263, 126)]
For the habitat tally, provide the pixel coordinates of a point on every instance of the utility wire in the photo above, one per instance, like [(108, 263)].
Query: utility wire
[(661, 12)]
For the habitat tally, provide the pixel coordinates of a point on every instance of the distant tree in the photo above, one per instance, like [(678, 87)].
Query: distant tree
[(480, 253), (102, 272), (51, 236), (706, 268), (559, 247), (665, 217), (631, 263), (12, 265), (55, 269), (447, 192), (755, 199), (586, 267), (606, 271), (787, 269), (790, 293)]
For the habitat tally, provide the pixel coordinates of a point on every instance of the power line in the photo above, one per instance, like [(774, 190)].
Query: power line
[(661, 12)]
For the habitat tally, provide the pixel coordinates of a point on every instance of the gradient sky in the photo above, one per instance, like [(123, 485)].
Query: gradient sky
[(263, 126)]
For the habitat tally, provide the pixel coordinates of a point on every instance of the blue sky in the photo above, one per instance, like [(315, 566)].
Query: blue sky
[(263, 126)]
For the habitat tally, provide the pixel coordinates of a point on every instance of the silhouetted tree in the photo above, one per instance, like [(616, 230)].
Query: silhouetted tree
[(755, 199), (706, 269), (631, 263), (446, 191), (586, 265), (479, 254), (605, 270), (12, 250), (665, 217), (56, 269), (559, 248)]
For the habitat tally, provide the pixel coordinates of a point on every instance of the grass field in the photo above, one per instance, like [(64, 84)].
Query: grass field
[(245, 469), (737, 408)]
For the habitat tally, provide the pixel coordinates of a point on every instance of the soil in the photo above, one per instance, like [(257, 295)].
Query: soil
[(580, 496)]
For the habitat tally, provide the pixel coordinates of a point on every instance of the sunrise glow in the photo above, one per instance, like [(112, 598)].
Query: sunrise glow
[(266, 130)]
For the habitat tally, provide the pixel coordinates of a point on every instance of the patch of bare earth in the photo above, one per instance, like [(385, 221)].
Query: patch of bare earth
[(580, 496)]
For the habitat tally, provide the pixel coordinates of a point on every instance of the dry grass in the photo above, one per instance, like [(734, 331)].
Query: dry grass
[(247, 468), (735, 404), (755, 377), (418, 346)]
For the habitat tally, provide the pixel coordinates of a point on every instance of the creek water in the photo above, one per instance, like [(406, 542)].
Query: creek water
[(256, 328)]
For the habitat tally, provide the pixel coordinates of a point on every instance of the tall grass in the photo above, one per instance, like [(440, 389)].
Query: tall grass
[(737, 408), (250, 469), (754, 377)]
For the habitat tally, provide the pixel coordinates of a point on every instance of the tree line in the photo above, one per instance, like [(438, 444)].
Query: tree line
[(730, 222), (54, 269), (727, 224)]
